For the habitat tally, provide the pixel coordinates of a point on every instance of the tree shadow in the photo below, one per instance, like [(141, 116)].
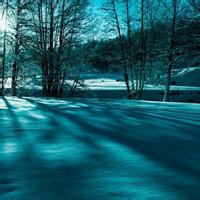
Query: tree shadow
[(178, 153), (13, 117)]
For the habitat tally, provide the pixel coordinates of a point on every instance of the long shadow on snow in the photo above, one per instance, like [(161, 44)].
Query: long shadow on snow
[(141, 139), (161, 148), (40, 179), (15, 123), (37, 178), (7, 183)]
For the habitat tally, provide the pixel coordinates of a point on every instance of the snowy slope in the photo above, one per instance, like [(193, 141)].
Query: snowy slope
[(188, 77), (185, 86), (98, 150)]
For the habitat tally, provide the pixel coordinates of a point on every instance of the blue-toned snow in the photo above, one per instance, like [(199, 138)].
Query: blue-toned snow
[(98, 149)]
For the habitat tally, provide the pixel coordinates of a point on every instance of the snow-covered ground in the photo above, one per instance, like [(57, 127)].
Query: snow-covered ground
[(189, 76), (98, 150), (109, 84), (186, 86), (185, 79)]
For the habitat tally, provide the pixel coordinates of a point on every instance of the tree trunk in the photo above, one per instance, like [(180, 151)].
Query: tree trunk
[(16, 52), (142, 54), (51, 53), (126, 77), (14, 79), (171, 53)]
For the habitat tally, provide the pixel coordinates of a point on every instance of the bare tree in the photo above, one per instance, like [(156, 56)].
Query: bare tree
[(19, 14), (142, 52), (171, 53), (55, 27), (112, 9), (4, 15)]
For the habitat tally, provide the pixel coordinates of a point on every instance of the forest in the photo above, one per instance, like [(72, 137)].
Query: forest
[(50, 43)]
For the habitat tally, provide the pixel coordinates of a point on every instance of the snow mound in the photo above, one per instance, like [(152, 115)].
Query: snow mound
[(187, 77)]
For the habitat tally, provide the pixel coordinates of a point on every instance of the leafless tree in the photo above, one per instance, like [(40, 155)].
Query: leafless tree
[(55, 28), (111, 8), (4, 15), (171, 51), (19, 15)]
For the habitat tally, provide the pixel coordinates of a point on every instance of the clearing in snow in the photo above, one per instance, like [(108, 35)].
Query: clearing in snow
[(98, 149)]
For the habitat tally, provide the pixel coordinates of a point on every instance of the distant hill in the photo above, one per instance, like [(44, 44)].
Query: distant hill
[(187, 77)]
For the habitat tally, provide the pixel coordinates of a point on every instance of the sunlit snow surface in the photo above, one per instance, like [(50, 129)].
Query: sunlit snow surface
[(98, 149)]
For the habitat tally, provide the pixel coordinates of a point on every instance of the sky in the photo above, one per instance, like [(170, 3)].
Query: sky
[(103, 23)]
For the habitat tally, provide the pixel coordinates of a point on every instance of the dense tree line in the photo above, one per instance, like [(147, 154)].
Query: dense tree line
[(150, 39), (175, 18), (43, 33), (104, 55)]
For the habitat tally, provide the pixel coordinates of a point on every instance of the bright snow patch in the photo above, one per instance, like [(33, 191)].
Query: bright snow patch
[(98, 149)]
